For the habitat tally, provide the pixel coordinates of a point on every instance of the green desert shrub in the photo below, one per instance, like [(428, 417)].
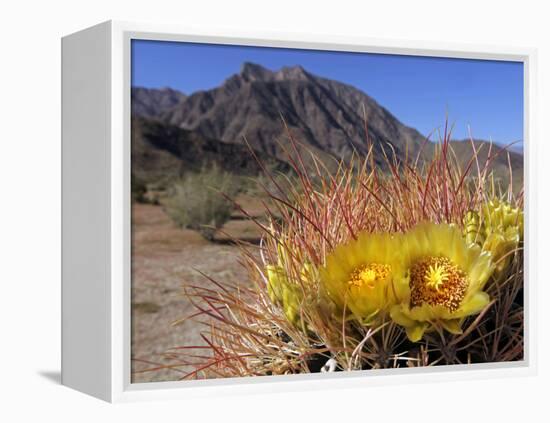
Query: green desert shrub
[(198, 201), (265, 186), (138, 188)]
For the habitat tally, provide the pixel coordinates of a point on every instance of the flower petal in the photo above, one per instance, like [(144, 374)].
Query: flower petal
[(397, 315), (415, 333), (453, 326), (474, 305)]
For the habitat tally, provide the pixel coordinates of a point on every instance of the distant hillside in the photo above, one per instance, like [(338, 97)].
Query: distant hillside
[(327, 116), (161, 152), (501, 162)]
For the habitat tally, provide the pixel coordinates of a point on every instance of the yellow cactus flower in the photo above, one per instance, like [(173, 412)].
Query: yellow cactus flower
[(358, 275), (442, 282), (285, 291), (503, 231), (499, 230), (282, 292), (501, 215), (474, 231)]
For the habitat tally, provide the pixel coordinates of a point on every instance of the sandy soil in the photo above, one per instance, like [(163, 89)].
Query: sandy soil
[(163, 258)]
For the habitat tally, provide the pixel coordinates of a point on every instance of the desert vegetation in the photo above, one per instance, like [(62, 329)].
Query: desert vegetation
[(138, 189), (203, 200), (334, 239), (367, 269)]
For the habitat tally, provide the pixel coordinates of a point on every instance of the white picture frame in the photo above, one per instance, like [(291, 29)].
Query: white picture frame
[(96, 227)]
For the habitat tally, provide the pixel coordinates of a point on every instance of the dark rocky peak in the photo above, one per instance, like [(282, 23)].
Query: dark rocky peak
[(294, 73), (251, 72), (254, 72)]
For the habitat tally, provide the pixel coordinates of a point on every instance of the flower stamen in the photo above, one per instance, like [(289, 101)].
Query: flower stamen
[(436, 276), (437, 281), (369, 274)]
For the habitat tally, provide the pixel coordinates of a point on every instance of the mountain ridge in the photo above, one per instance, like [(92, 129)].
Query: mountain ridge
[(325, 115), (153, 102)]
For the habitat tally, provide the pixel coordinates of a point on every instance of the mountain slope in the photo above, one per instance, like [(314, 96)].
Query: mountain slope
[(161, 152), (501, 160), (326, 115), (152, 103)]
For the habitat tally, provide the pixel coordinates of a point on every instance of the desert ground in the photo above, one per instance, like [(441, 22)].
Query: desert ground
[(164, 257)]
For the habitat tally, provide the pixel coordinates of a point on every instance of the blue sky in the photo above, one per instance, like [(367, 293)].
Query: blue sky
[(419, 91)]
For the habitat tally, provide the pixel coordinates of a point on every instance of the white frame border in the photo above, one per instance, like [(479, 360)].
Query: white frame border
[(121, 388)]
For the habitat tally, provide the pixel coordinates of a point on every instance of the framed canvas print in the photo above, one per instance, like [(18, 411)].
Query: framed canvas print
[(263, 212)]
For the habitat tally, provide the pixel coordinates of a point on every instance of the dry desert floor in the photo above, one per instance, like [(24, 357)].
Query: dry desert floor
[(164, 257)]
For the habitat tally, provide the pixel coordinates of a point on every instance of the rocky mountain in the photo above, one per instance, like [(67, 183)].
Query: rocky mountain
[(152, 103), (325, 115)]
